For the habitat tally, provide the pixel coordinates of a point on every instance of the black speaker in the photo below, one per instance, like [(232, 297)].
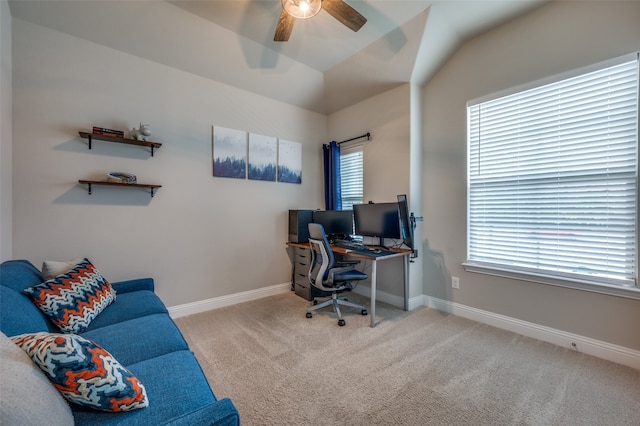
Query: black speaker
[(299, 221)]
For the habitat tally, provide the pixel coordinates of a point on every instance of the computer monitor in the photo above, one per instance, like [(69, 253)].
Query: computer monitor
[(377, 220), (406, 225), (336, 223)]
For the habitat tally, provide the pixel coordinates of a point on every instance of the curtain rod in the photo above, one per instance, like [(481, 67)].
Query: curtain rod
[(368, 136)]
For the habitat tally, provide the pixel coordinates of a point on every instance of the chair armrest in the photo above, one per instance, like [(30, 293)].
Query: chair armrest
[(134, 285), (218, 413)]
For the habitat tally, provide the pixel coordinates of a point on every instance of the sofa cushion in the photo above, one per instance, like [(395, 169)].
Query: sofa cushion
[(73, 299), (32, 399), (129, 306), (139, 339), (19, 315), (19, 274), (84, 372), (173, 395)]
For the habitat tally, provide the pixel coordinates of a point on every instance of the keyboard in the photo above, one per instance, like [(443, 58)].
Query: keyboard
[(356, 246), (382, 252), (350, 245)]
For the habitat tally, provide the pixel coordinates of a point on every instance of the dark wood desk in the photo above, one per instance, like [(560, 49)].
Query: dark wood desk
[(374, 258)]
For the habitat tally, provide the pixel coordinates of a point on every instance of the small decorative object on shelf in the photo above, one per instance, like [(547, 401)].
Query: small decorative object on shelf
[(141, 133), (108, 132), (121, 177)]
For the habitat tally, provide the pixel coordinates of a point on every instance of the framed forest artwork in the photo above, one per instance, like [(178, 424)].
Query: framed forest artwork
[(263, 157), (289, 161), (229, 153)]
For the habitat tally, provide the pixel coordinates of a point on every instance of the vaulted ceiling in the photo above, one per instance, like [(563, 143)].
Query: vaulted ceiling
[(324, 66)]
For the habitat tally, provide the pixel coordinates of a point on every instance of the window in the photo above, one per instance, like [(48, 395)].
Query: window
[(553, 179), (351, 176)]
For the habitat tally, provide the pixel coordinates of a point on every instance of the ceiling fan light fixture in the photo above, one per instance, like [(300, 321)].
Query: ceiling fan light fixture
[(302, 9)]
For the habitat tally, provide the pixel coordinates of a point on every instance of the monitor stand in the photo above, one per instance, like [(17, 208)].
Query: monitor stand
[(381, 243)]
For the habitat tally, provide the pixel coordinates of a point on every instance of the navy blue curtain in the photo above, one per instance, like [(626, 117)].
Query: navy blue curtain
[(332, 188)]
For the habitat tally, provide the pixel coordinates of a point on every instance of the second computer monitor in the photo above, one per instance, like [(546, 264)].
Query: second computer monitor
[(336, 223), (406, 226), (377, 220)]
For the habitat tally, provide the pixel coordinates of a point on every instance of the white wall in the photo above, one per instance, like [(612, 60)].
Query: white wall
[(386, 157), (200, 237), (6, 234), (557, 37)]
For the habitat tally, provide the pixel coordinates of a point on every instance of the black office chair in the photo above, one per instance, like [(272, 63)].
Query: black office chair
[(330, 276)]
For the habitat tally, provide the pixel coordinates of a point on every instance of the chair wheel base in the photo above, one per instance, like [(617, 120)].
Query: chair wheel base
[(309, 315), (364, 312), (341, 322)]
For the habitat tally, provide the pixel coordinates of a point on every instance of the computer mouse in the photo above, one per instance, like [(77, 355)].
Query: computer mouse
[(377, 251)]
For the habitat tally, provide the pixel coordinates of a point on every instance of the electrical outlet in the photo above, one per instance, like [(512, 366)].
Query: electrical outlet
[(455, 282)]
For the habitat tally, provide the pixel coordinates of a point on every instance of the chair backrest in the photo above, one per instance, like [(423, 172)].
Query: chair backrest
[(322, 259)]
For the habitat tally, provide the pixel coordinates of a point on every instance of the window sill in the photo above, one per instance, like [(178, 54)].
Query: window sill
[(611, 290)]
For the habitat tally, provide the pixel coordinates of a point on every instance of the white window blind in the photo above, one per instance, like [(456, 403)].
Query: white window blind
[(552, 177), (351, 176)]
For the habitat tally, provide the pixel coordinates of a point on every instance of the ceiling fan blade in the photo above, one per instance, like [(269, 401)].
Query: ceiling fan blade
[(285, 26), (344, 13)]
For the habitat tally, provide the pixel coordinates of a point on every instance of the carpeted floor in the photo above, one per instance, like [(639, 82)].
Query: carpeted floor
[(414, 368)]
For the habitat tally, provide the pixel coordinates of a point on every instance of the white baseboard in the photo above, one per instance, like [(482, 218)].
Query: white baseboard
[(231, 299), (597, 348), (416, 302)]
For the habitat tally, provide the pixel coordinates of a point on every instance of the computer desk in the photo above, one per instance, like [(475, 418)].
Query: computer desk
[(374, 258)]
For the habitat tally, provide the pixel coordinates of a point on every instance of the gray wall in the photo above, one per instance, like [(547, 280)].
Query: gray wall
[(200, 237), (6, 235), (557, 37), (386, 163)]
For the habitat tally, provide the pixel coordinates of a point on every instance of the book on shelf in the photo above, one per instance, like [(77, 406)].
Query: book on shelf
[(108, 132)]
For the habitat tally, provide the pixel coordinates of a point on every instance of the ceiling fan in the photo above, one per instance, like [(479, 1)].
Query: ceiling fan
[(303, 9)]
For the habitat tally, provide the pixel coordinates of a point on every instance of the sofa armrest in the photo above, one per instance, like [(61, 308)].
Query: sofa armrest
[(218, 413), (134, 285)]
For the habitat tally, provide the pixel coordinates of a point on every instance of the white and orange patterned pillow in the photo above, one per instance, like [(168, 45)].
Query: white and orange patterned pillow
[(84, 372), (73, 299)]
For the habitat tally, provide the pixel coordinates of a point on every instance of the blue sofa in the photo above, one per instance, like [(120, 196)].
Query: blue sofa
[(138, 331)]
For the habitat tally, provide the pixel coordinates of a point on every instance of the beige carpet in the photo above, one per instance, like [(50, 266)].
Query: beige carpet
[(417, 368)]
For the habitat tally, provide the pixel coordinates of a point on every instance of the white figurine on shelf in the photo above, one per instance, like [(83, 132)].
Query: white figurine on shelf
[(141, 133)]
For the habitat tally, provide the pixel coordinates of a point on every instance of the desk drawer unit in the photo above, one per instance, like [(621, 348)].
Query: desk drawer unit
[(303, 256), (301, 284), (300, 275)]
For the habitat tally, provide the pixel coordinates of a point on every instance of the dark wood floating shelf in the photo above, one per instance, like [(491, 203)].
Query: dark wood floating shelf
[(89, 183), (91, 136)]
